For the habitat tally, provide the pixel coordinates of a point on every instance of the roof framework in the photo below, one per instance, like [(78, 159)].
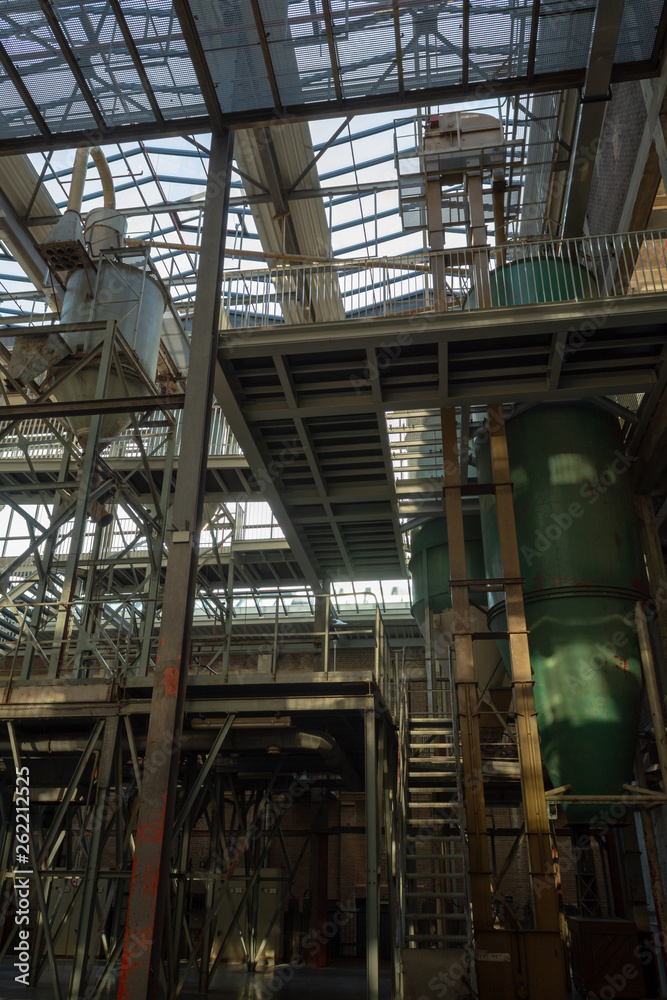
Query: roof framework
[(118, 69)]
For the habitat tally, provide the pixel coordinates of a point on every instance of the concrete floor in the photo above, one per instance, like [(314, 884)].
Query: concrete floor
[(345, 981)]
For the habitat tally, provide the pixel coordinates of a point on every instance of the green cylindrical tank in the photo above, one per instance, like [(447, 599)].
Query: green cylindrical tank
[(582, 561), (538, 279), (429, 564)]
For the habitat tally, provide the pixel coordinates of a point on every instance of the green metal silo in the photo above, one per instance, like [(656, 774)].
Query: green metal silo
[(582, 561), (429, 567), (529, 279)]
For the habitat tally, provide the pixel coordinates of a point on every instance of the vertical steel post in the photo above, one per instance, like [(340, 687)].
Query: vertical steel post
[(652, 690), (149, 888), (229, 605), (372, 860), (543, 885), (479, 871), (319, 872)]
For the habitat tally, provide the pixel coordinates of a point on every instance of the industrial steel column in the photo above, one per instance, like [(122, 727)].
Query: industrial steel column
[(479, 866), (372, 860), (149, 888), (543, 886)]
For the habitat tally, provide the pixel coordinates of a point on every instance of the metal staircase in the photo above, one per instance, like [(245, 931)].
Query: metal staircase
[(436, 913)]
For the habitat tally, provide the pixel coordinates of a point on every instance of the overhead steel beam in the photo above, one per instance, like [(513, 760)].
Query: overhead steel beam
[(399, 47), (23, 92), (72, 62), (266, 53), (83, 407), (595, 96), (465, 48), (313, 464), (149, 890), (333, 56), (374, 374), (532, 42), (105, 135), (266, 475), (136, 59), (625, 312), (200, 63), (254, 118), (19, 239)]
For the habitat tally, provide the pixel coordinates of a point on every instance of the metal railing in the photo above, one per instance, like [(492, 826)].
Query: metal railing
[(117, 639), (461, 279), (36, 437)]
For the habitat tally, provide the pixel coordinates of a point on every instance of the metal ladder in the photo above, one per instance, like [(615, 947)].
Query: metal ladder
[(437, 912)]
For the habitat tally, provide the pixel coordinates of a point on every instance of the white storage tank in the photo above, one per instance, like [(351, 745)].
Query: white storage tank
[(120, 287)]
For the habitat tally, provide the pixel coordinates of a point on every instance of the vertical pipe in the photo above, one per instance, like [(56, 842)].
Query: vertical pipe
[(276, 620), (651, 866), (327, 618), (149, 888), (652, 691), (372, 861)]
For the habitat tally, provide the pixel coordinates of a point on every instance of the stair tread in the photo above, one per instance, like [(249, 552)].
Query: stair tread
[(429, 805), (429, 789), (435, 937), (433, 857), (435, 895), (432, 774)]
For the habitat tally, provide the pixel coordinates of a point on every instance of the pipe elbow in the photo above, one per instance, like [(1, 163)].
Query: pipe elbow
[(104, 170), (75, 198)]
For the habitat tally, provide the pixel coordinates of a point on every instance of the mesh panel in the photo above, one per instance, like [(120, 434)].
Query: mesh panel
[(97, 42), (164, 56), (564, 35), (229, 38), (297, 39), (638, 28), (499, 41), (48, 78), (364, 34), (14, 118)]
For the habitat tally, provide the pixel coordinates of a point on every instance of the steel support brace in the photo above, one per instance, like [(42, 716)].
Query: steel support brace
[(81, 954), (64, 619), (372, 861), (142, 951)]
